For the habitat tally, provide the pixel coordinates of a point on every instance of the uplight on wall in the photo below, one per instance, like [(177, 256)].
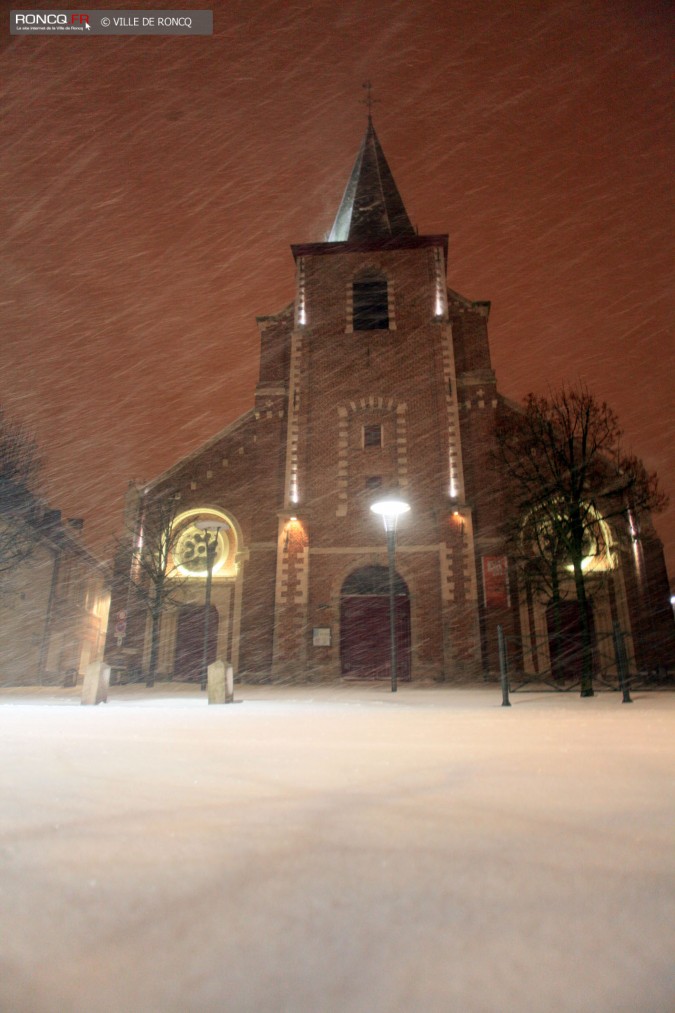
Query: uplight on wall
[(439, 300)]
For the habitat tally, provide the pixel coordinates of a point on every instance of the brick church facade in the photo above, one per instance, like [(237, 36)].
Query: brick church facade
[(376, 377)]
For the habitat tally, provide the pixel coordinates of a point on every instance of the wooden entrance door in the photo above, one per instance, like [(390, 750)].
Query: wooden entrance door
[(190, 642), (364, 637)]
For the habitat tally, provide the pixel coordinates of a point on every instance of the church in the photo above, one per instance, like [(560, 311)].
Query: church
[(377, 377)]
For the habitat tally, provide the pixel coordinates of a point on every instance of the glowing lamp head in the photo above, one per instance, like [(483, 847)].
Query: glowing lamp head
[(390, 510)]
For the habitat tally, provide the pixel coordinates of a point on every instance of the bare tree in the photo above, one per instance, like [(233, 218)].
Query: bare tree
[(568, 473), (154, 573), (20, 467)]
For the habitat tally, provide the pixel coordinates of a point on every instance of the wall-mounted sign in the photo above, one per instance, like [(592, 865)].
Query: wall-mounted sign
[(321, 636)]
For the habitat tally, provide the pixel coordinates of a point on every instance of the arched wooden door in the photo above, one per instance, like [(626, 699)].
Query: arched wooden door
[(190, 642), (365, 649)]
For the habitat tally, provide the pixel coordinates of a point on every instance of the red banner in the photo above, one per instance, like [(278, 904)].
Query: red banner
[(496, 582)]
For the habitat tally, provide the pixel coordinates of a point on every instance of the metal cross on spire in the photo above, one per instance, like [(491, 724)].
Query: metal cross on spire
[(369, 101)]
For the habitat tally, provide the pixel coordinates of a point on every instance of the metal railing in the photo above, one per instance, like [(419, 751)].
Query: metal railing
[(611, 668)]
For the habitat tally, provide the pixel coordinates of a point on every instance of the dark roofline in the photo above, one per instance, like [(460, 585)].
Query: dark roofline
[(241, 420), (370, 245)]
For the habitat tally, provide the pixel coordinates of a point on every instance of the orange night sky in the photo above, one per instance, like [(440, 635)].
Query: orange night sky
[(153, 187)]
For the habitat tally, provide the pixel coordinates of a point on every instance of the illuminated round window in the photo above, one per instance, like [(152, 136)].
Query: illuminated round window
[(541, 537), (192, 546), (198, 532)]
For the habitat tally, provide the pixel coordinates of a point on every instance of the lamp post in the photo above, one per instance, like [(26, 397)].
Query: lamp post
[(390, 508), (209, 528)]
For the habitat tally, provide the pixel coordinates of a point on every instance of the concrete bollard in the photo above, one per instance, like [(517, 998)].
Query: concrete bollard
[(96, 683), (216, 682)]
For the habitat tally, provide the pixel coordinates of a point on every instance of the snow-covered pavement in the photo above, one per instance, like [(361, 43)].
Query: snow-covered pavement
[(336, 850)]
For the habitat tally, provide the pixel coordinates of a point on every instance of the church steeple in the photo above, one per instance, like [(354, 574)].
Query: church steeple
[(371, 207)]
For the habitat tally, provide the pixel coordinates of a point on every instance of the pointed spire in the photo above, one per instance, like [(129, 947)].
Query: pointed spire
[(371, 207)]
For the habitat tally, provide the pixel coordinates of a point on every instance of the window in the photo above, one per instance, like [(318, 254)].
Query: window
[(371, 305), (372, 436), (374, 482)]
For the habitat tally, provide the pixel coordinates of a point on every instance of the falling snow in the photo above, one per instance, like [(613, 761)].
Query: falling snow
[(330, 849), (154, 186)]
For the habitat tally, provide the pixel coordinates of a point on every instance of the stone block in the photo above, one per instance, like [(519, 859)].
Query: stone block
[(216, 682), (96, 683)]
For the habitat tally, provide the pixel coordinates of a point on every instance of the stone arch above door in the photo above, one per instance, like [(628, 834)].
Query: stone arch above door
[(189, 562)]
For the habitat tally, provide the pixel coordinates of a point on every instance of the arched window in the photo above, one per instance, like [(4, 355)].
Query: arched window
[(370, 304), (190, 542)]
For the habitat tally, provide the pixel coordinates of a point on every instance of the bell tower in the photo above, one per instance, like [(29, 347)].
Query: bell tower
[(372, 406)]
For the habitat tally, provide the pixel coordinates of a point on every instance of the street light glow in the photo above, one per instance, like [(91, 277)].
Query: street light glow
[(390, 510)]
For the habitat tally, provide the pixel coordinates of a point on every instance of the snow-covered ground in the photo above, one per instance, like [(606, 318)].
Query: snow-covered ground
[(336, 850)]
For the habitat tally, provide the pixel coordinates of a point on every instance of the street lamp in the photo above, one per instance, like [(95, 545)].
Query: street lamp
[(390, 508), (210, 528)]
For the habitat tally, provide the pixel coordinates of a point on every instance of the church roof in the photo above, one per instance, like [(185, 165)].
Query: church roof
[(371, 207)]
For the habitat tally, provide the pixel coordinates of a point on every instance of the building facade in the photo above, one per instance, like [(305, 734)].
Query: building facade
[(376, 377), (53, 603)]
